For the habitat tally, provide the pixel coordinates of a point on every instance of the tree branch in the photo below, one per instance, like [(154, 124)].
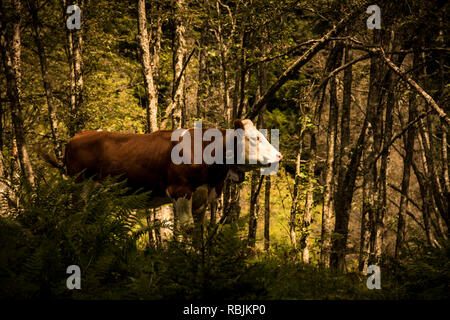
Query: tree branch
[(300, 62), (335, 71), (398, 135), (171, 106), (441, 113)]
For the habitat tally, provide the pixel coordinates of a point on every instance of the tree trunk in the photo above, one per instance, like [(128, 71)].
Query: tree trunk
[(3, 189), (386, 102), (3, 186), (75, 59), (11, 58), (365, 226), (341, 224), (230, 204), (304, 242), (267, 213), (155, 43), (295, 206), (254, 208), (327, 212), (243, 74), (256, 183), (148, 64), (79, 82), (70, 57), (345, 117), (295, 200), (202, 78), (51, 108), (374, 115), (407, 160), (179, 55)]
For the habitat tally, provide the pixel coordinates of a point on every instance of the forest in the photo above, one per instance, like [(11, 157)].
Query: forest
[(358, 91)]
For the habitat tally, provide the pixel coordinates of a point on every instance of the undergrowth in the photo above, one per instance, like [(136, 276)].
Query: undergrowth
[(96, 226)]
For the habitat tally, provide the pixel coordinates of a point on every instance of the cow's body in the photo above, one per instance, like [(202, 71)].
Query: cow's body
[(145, 161)]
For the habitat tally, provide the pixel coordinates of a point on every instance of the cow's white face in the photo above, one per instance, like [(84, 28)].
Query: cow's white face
[(258, 150)]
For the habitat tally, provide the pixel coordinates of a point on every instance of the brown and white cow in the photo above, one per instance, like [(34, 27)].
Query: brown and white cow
[(146, 161)]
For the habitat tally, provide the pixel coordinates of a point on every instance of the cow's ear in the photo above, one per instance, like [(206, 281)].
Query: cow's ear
[(238, 124)]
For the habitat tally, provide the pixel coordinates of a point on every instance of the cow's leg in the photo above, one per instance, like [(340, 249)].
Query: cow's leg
[(182, 208), (199, 206)]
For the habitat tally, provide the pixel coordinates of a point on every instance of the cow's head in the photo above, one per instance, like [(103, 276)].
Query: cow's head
[(257, 150)]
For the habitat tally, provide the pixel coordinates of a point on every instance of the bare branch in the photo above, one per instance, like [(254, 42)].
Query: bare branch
[(300, 62), (336, 71)]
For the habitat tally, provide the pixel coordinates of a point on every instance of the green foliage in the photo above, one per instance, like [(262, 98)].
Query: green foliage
[(91, 225), (421, 272), (288, 279), (65, 223), (219, 269)]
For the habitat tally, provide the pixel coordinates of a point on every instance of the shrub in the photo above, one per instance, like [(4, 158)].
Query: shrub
[(66, 223)]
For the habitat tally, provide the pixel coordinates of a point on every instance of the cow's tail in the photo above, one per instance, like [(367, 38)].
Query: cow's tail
[(49, 158)]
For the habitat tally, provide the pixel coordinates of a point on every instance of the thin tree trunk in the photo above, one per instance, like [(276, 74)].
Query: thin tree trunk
[(75, 58), (427, 201), (262, 87), (78, 68), (297, 181), (341, 224), (236, 96), (306, 233), (155, 43), (3, 189), (434, 237), (407, 160), (243, 75), (147, 62), (51, 108), (151, 240), (70, 58), (3, 186), (374, 110), (327, 211), (365, 227), (440, 199), (213, 213), (445, 162), (345, 117), (231, 196), (386, 102), (296, 193), (202, 78), (267, 213), (254, 208), (295, 199), (11, 57), (255, 187), (179, 55)]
